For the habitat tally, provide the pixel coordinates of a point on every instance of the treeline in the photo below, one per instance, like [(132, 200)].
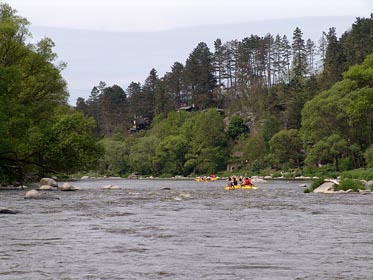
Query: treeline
[(287, 105)]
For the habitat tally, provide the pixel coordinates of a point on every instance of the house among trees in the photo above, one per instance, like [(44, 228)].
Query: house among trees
[(139, 123), (187, 108)]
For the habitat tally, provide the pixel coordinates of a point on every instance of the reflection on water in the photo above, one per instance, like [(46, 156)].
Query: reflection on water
[(160, 229)]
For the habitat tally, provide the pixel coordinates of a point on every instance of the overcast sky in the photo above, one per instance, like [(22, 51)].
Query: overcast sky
[(155, 15)]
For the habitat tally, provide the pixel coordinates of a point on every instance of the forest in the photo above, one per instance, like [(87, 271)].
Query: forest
[(258, 105)]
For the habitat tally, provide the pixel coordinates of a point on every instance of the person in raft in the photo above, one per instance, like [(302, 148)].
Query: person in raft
[(230, 182), (234, 181), (247, 182)]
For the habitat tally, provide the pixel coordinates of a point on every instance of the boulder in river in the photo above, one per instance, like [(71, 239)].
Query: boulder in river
[(49, 182), (8, 211), (68, 187), (34, 194), (326, 187), (47, 188)]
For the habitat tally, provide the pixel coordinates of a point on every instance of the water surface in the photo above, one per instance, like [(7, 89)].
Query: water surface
[(163, 229)]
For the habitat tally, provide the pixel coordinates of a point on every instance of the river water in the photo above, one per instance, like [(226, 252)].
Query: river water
[(163, 229)]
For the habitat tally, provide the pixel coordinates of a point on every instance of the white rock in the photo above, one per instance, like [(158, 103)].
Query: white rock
[(46, 188), (33, 194), (327, 187), (68, 187), (49, 182)]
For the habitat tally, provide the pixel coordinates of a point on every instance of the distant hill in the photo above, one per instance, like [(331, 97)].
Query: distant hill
[(122, 57)]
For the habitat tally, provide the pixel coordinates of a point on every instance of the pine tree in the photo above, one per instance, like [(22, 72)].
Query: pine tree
[(149, 91), (322, 50), (311, 53), (174, 81), (357, 43), (269, 57), (299, 63), (231, 64), (287, 56), (199, 74), (113, 110), (334, 59), (219, 61), (277, 64)]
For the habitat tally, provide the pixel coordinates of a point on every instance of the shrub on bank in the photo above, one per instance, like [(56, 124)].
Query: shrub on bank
[(362, 174), (347, 184), (315, 184)]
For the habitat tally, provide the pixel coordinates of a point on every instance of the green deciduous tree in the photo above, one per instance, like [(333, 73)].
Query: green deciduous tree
[(344, 110), (68, 145), (237, 128), (39, 132), (142, 155), (211, 141), (170, 155), (116, 158), (286, 149)]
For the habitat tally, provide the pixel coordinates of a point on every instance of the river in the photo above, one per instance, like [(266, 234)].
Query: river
[(167, 229)]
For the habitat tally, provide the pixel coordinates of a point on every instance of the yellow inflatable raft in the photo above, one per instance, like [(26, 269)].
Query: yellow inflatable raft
[(237, 187)]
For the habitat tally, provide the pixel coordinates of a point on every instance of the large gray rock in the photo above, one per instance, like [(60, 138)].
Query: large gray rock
[(33, 194), (69, 187), (48, 182), (46, 188), (326, 187), (8, 211)]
